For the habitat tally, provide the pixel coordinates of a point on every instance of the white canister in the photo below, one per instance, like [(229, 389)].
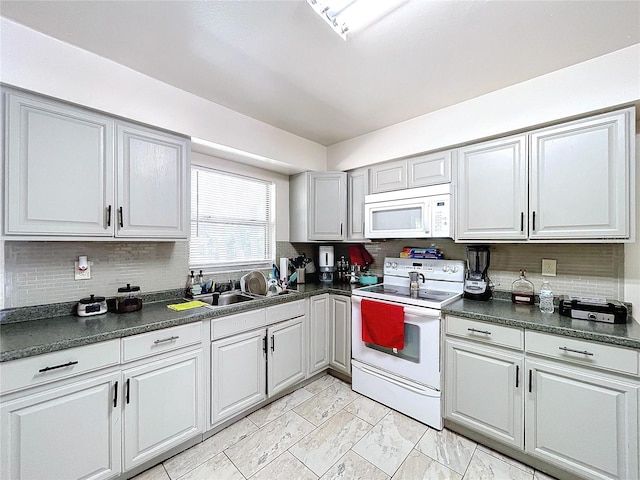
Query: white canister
[(284, 268), (325, 256)]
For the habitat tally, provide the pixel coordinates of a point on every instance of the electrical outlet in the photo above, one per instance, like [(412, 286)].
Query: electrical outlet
[(83, 274), (549, 267)]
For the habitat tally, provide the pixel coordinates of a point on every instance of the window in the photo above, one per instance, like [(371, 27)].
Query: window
[(232, 221)]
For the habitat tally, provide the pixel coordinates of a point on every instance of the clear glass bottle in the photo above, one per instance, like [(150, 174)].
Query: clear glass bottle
[(546, 297), (522, 290)]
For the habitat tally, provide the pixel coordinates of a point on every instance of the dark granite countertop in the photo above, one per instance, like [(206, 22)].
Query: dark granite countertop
[(504, 312), (33, 337)]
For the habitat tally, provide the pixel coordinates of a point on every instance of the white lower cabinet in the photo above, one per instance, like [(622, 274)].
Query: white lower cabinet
[(484, 390), (163, 405), (68, 431), (319, 334), (340, 333), (238, 373), (582, 421), (561, 401), (247, 368)]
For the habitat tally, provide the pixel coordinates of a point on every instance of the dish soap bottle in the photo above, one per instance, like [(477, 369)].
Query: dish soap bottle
[(546, 297), (522, 290)]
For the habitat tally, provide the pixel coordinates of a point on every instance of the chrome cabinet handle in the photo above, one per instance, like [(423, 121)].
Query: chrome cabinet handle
[(517, 375), (68, 364), (121, 221), (167, 339), (109, 216), (126, 397), (273, 343), (486, 332), (583, 352), (115, 395), (522, 221), (534, 221)]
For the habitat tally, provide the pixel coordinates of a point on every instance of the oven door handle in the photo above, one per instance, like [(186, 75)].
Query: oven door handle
[(423, 392), (420, 313), (427, 312)]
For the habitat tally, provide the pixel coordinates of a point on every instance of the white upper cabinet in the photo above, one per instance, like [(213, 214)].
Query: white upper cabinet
[(389, 176), (74, 173), (318, 206), (59, 169), (574, 184), (358, 187), (580, 174), (152, 181), (429, 169), (492, 195)]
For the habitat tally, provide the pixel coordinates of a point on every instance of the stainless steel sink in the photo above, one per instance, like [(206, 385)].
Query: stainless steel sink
[(229, 298)]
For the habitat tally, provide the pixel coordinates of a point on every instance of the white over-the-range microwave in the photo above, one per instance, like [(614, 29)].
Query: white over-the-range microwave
[(422, 212)]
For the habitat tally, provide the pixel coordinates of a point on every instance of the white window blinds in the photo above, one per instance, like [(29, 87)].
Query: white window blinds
[(232, 221)]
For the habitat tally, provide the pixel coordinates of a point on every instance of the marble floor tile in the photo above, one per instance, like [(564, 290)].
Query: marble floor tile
[(368, 410), (389, 442), (418, 466), (449, 448), (262, 447), (507, 459), (353, 467), (218, 467), (274, 410), (487, 467), (320, 384), (286, 466), (156, 473), (327, 403), (322, 448), (185, 461)]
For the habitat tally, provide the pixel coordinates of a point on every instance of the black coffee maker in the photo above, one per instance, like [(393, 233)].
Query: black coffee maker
[(477, 285)]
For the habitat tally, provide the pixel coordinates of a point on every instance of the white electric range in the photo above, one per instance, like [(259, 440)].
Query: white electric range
[(407, 380)]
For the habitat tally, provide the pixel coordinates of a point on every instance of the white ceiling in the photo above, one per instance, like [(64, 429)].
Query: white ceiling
[(278, 62)]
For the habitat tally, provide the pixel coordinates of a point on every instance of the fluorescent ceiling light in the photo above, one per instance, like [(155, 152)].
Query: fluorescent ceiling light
[(348, 16)]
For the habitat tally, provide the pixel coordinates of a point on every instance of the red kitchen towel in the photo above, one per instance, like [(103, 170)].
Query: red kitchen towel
[(355, 257), (382, 324)]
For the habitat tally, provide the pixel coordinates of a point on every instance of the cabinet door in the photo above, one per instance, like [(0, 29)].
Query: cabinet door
[(71, 431), (153, 179), (492, 200), (357, 189), (581, 421), (340, 334), (580, 179), (484, 390), (429, 169), (319, 333), (163, 406), (389, 176), (328, 206), (238, 373), (59, 170), (286, 355)]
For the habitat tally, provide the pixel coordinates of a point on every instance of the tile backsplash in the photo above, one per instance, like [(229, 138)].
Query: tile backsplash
[(37, 273)]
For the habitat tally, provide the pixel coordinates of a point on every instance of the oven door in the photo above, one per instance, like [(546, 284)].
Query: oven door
[(406, 218), (419, 360)]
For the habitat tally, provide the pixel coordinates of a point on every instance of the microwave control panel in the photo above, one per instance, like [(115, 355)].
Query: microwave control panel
[(441, 216)]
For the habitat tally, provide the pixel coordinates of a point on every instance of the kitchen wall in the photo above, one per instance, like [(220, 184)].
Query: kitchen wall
[(589, 269), (34, 61)]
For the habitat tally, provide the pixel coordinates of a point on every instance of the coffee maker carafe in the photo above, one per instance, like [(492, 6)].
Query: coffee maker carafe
[(326, 263), (477, 285)]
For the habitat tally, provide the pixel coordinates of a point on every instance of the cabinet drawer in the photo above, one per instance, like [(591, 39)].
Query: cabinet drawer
[(32, 371), (490, 333), (241, 322), (583, 352), (285, 311), (160, 341)]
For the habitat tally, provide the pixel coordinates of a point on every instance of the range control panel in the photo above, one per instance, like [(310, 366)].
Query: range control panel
[(432, 269)]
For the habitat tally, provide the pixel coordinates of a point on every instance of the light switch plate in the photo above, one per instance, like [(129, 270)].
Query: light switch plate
[(549, 267)]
